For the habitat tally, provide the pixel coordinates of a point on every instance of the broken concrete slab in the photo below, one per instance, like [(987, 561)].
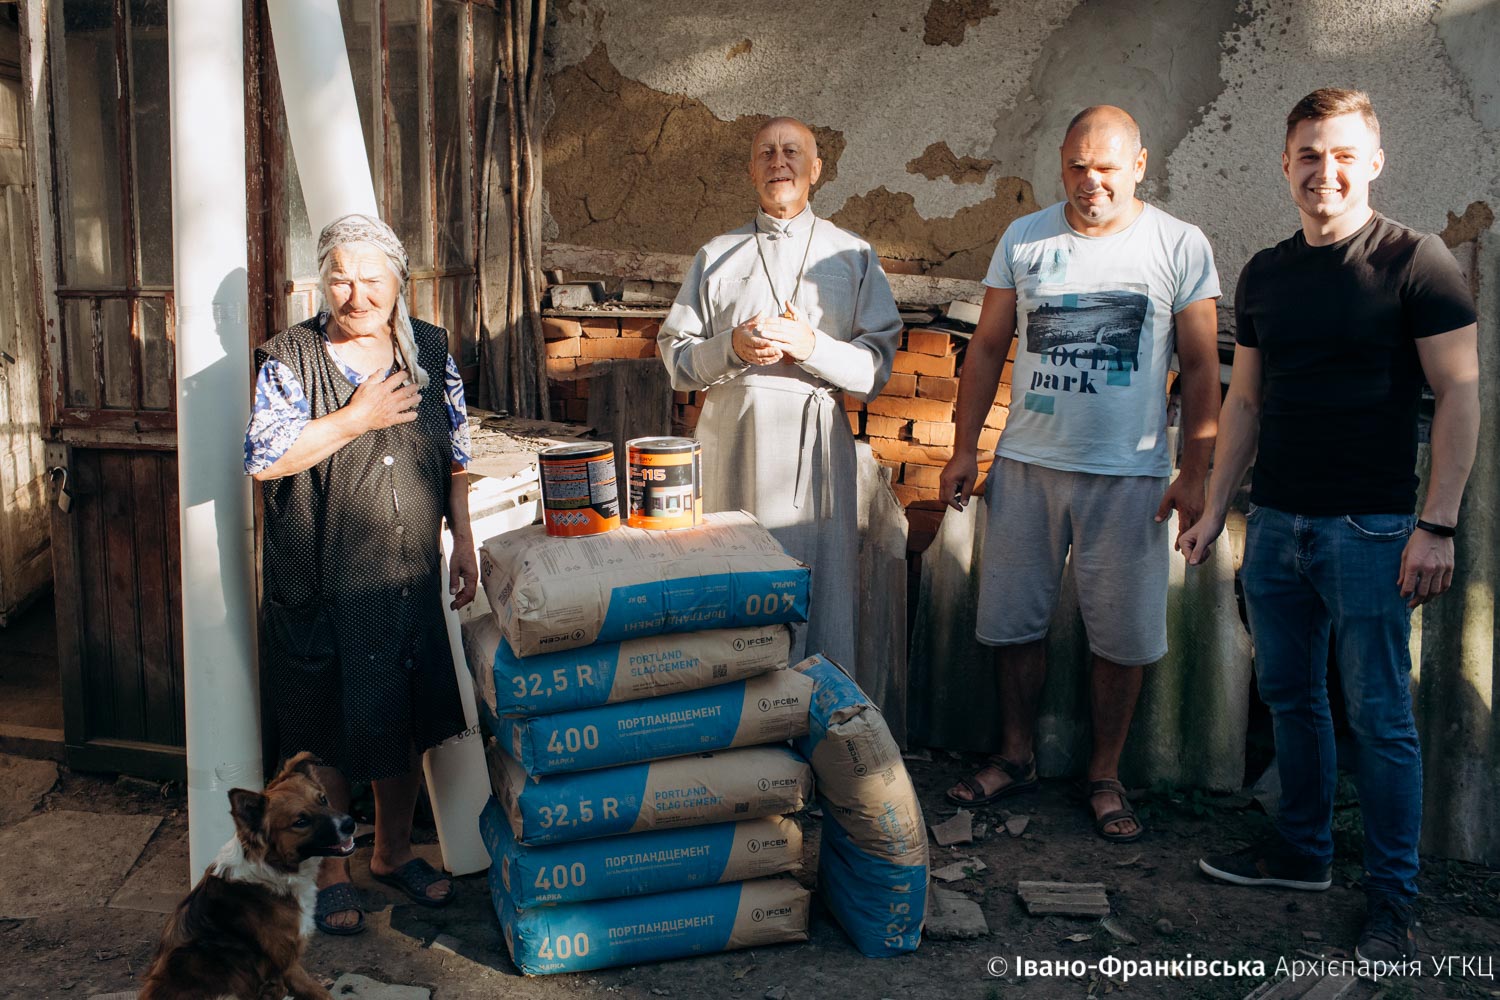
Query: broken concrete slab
[(354, 987), (952, 916), (159, 884), (1067, 899), (959, 870), (23, 782), (1303, 988), (957, 830), (66, 860), (1016, 825)]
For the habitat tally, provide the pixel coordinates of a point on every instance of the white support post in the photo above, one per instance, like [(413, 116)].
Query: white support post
[(210, 262), (322, 116)]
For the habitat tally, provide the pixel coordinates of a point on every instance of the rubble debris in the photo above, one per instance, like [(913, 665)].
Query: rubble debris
[(959, 870), (952, 916), (1117, 930), (957, 830), (1016, 825), (1068, 899)]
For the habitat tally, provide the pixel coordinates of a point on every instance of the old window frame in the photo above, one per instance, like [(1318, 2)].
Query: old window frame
[(96, 298)]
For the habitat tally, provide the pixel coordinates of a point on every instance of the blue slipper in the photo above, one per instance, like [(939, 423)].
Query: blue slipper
[(341, 897)]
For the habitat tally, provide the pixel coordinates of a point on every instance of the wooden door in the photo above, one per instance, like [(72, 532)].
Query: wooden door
[(25, 562), (108, 282)]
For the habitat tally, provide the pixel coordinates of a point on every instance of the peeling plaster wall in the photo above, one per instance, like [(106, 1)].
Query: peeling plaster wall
[(940, 121)]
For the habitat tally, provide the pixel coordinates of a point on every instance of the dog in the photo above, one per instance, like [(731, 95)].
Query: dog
[(241, 930)]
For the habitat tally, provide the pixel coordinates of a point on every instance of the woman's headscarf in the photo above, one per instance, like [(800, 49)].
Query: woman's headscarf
[(367, 229)]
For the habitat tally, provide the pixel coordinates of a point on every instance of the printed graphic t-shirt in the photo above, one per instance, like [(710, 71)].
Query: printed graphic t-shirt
[(1095, 336), (1337, 329)]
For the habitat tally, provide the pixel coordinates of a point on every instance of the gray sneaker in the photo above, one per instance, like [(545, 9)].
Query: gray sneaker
[(1388, 935)]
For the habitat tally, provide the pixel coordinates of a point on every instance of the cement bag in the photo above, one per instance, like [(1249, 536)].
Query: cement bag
[(765, 709), (618, 671), (879, 903), (861, 777), (729, 786), (553, 593), (637, 930), (637, 863)]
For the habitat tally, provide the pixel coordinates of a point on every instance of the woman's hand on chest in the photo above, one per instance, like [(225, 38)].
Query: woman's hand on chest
[(382, 402)]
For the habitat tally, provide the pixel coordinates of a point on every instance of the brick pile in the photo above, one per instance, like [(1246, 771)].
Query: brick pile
[(909, 426)]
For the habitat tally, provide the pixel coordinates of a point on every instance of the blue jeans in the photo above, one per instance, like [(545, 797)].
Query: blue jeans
[(1302, 577)]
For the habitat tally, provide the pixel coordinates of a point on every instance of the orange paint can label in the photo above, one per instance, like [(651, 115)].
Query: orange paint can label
[(580, 494), (666, 482)]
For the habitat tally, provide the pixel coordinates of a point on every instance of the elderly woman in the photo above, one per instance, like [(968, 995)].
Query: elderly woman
[(359, 433)]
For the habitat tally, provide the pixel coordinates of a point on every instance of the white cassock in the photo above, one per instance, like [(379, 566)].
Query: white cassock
[(775, 439)]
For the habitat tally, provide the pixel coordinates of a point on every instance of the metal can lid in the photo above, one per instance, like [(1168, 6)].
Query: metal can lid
[(585, 449), (662, 445)]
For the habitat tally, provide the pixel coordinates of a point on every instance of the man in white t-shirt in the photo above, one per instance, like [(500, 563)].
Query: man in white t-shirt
[(1100, 289)]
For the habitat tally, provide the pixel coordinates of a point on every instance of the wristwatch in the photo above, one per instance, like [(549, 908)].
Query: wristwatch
[(1441, 530)]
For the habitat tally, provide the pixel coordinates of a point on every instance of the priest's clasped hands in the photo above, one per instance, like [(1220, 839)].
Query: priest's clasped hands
[(768, 340)]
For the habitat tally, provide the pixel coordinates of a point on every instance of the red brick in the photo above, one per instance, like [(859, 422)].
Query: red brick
[(888, 427), (892, 265), (921, 476), (558, 328), (577, 410), (854, 422), (601, 329), (925, 364), (932, 387), (559, 367), (988, 438), (1006, 373), (895, 467), (900, 385), (934, 410), (927, 432), (996, 417), (682, 398), (620, 347), (1002, 394), (853, 404), (906, 495), (570, 348), (933, 342), (637, 327), (906, 451)]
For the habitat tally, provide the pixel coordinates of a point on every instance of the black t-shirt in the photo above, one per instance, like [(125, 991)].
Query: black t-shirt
[(1336, 327)]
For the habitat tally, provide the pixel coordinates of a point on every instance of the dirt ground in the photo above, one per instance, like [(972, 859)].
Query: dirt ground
[(1158, 900)]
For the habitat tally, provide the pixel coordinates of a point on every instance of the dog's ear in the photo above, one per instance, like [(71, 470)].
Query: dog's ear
[(303, 764), (248, 809)]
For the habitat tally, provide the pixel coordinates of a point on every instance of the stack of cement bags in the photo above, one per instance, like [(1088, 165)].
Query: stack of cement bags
[(872, 865), (636, 685)]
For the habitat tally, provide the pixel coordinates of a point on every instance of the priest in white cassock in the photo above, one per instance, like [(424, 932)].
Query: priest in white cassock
[(776, 319)]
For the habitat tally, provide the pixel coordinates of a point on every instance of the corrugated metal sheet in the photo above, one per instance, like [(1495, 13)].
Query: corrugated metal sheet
[(1457, 712), (1189, 727)]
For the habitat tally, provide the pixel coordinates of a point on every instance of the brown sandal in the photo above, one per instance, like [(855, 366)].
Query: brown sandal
[(1126, 811), (1022, 779)]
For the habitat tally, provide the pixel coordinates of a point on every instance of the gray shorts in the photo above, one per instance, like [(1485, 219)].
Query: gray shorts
[(1120, 559)]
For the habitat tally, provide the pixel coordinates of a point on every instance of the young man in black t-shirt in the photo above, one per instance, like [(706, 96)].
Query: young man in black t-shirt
[(1336, 329)]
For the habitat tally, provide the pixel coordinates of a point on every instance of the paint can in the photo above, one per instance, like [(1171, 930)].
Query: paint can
[(666, 482), (580, 495)]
